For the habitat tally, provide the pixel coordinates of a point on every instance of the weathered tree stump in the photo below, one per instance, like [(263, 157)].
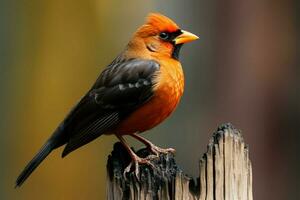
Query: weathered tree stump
[(225, 173)]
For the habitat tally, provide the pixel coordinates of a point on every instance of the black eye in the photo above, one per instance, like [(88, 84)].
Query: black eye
[(164, 35)]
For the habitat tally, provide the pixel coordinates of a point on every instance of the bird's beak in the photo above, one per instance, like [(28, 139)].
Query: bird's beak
[(185, 37)]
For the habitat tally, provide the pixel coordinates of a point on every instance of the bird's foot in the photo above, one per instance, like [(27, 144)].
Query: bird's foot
[(157, 150), (154, 149), (135, 163)]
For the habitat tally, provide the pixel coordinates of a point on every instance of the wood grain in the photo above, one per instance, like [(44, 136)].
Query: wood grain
[(225, 173)]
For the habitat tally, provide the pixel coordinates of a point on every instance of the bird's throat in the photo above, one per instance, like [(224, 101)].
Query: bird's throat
[(176, 51)]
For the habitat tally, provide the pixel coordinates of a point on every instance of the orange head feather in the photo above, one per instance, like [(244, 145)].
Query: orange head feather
[(161, 22), (156, 23), (159, 36)]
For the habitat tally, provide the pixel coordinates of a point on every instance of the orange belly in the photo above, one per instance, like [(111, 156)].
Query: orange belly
[(167, 94)]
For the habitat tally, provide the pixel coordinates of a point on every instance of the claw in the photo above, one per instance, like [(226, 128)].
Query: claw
[(157, 150), (136, 161), (152, 157), (126, 170)]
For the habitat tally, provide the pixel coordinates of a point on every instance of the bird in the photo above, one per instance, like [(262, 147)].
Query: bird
[(138, 90)]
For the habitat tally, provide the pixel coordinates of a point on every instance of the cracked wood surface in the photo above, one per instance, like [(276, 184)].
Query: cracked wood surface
[(225, 173)]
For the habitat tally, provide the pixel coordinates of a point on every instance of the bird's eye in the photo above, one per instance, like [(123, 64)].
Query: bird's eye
[(164, 35)]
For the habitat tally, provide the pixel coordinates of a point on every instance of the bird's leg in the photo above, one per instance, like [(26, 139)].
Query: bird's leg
[(155, 149), (136, 160)]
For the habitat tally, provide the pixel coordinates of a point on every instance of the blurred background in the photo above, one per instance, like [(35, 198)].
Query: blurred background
[(244, 70)]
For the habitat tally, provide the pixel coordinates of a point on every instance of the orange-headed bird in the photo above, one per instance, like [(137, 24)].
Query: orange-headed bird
[(136, 92)]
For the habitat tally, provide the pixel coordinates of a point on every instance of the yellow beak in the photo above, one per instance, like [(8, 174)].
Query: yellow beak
[(185, 37)]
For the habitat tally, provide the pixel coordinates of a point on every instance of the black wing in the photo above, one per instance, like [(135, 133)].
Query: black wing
[(122, 87)]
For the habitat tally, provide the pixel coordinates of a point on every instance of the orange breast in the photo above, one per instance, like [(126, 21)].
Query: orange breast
[(167, 93)]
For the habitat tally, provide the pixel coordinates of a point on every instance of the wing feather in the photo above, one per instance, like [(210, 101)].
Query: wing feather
[(120, 89), (91, 132)]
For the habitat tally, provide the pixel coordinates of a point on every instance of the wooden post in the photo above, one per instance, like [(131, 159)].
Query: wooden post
[(225, 173)]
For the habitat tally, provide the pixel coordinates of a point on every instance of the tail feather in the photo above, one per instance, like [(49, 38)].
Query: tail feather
[(34, 163)]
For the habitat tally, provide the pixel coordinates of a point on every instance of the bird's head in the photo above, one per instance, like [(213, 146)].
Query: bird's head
[(161, 36)]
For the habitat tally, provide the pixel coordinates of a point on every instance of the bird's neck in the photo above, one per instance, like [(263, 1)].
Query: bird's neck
[(176, 51), (136, 49)]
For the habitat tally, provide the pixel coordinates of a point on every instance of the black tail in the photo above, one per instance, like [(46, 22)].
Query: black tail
[(34, 163)]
